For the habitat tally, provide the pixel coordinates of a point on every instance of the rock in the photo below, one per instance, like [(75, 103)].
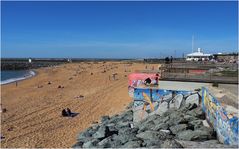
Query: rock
[(114, 119), (152, 143), (152, 135), (169, 111), (83, 136), (178, 100), (121, 125), (139, 115), (171, 103), (79, 144), (91, 143), (193, 99), (177, 128), (160, 126), (162, 119), (113, 129), (126, 116), (101, 133), (105, 143), (167, 98), (171, 144), (163, 107), (132, 144), (131, 105), (189, 135), (127, 135), (104, 118), (187, 107), (190, 118), (165, 131), (176, 118), (146, 126), (205, 123), (196, 123), (204, 144), (197, 113)]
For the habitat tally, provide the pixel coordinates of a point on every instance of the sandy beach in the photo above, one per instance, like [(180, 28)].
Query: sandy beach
[(33, 117)]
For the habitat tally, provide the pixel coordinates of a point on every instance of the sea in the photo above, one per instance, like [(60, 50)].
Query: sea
[(9, 76)]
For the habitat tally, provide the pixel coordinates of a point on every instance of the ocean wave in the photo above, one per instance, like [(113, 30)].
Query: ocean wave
[(29, 74)]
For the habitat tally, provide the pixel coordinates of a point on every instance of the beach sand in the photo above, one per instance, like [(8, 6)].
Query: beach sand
[(33, 117)]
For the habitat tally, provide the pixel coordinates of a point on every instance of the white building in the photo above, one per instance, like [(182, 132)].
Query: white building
[(199, 55)]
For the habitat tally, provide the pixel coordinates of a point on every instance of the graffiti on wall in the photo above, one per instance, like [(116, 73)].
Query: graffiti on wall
[(148, 99), (224, 123)]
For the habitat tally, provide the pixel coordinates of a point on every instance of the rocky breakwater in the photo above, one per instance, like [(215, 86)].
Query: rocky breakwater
[(175, 128)]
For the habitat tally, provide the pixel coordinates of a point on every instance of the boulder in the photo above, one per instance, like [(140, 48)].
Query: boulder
[(190, 118), (171, 144), (152, 135), (131, 105), (104, 132), (177, 128), (172, 103), (132, 144), (178, 100), (165, 131), (105, 143), (121, 125), (114, 119), (187, 107), (79, 144), (162, 119), (163, 107), (127, 134), (160, 126), (146, 126), (204, 144), (167, 97), (101, 133), (126, 116), (152, 143), (193, 99), (90, 144), (140, 115), (197, 112), (176, 118), (196, 123), (189, 135), (104, 119), (84, 136)]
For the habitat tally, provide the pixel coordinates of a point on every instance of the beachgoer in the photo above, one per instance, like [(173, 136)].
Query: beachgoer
[(171, 59), (147, 81), (68, 112), (64, 113), (166, 60), (16, 83)]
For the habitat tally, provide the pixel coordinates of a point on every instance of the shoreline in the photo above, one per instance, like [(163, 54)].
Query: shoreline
[(30, 74)]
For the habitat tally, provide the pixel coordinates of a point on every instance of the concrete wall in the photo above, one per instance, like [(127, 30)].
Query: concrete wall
[(223, 122)]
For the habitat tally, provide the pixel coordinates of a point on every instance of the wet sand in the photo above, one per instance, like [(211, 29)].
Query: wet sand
[(33, 117)]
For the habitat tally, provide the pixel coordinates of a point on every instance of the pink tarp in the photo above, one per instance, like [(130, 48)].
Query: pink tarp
[(135, 77)]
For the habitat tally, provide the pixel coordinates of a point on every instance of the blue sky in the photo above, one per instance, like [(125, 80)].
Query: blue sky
[(117, 29)]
